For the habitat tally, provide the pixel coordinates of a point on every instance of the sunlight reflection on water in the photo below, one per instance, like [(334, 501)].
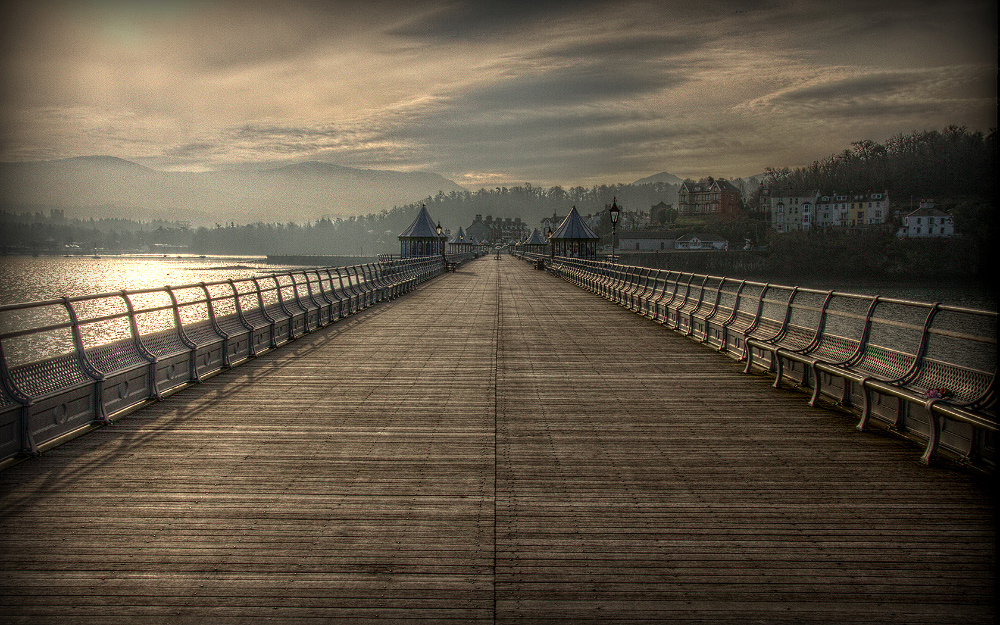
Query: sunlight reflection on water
[(28, 279), (33, 279)]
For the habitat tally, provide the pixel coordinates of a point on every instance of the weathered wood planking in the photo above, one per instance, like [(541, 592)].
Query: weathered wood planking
[(497, 446)]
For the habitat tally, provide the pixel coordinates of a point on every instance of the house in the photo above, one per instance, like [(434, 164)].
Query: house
[(645, 240), (479, 229), (860, 209), (708, 197), (656, 210), (549, 224), (790, 210), (926, 221), (702, 241)]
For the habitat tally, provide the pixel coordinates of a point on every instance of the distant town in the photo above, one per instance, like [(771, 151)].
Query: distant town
[(936, 185)]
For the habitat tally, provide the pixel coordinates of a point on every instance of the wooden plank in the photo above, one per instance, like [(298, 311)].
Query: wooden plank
[(496, 446)]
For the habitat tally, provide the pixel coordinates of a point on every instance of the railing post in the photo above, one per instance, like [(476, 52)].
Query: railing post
[(265, 315), (88, 368), (239, 307), (177, 317), (337, 301)]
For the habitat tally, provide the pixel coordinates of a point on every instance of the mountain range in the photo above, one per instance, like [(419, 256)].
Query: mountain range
[(105, 186), (111, 187), (660, 177)]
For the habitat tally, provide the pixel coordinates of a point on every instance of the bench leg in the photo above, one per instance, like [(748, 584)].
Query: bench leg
[(817, 385), (933, 434), (866, 409), (779, 369)]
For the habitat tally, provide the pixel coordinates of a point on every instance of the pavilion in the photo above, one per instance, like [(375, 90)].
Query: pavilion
[(574, 238), (422, 237)]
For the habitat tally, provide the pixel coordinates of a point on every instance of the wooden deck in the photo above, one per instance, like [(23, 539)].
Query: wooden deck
[(497, 446)]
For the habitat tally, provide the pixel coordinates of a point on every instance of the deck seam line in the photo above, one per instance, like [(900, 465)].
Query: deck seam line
[(496, 410)]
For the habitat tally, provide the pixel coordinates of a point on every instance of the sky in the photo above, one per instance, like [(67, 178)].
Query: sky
[(489, 93)]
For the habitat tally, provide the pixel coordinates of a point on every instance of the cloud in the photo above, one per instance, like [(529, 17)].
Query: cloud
[(563, 87), (552, 92), (881, 96), (476, 20)]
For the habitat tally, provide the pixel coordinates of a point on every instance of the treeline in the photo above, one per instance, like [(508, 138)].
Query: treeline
[(377, 232), (532, 203), (357, 235), (39, 233), (929, 164)]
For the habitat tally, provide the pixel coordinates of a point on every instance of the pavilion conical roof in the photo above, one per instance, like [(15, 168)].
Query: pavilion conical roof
[(572, 227), (536, 239), (422, 227)]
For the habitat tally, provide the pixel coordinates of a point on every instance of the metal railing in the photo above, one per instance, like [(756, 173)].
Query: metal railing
[(926, 369), (78, 362)]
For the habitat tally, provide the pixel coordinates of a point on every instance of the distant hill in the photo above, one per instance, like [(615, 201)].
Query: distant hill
[(660, 177), (105, 186)]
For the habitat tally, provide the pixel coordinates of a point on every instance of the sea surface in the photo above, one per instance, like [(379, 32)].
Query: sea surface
[(31, 278), (31, 334)]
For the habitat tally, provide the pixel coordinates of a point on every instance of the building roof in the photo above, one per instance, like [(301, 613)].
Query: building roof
[(573, 227), (422, 227), (646, 234), (536, 239), (702, 236), (926, 211), (781, 192)]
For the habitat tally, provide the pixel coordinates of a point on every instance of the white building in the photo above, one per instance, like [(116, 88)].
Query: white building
[(645, 241), (702, 241), (652, 241), (861, 209), (790, 210), (926, 221), (793, 210)]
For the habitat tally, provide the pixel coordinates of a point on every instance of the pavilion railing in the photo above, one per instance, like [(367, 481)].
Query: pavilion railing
[(75, 363), (924, 369)]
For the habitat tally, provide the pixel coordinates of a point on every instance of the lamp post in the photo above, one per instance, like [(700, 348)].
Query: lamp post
[(441, 241), (614, 211)]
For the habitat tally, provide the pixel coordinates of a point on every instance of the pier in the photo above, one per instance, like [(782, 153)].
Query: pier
[(497, 445)]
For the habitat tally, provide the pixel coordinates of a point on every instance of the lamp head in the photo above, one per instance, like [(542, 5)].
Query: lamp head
[(614, 211)]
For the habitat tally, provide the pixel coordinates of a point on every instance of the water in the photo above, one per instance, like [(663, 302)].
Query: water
[(43, 331), (30, 279)]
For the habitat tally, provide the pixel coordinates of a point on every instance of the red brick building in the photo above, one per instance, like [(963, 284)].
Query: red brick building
[(708, 197)]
